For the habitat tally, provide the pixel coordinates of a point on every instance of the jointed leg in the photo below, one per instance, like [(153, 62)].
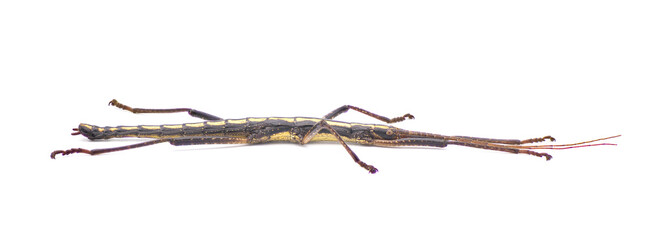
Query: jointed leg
[(509, 141), (435, 142), (416, 134), (207, 140), (192, 112), (105, 150), (503, 148), (345, 108), (425, 142), (173, 141), (323, 124)]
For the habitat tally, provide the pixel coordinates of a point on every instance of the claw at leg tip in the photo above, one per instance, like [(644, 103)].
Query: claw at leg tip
[(53, 154)]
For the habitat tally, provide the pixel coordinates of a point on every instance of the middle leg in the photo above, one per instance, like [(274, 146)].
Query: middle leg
[(345, 108), (324, 125)]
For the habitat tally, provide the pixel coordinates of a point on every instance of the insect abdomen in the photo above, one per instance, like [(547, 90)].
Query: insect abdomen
[(143, 131)]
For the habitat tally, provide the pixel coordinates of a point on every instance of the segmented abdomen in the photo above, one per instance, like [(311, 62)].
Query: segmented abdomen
[(157, 131)]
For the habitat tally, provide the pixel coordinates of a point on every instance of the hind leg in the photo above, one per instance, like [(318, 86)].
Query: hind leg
[(190, 111)]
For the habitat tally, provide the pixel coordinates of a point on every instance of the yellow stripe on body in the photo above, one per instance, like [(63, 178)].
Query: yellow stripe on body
[(339, 124), (281, 136), (194, 124), (256, 119), (282, 119), (237, 121), (298, 119), (216, 123)]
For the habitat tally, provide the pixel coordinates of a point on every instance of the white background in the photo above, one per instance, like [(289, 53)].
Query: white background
[(500, 69)]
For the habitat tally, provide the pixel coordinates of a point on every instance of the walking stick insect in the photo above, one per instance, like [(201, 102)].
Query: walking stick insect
[(302, 130)]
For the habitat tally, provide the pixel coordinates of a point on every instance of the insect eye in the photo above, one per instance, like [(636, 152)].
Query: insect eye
[(389, 132)]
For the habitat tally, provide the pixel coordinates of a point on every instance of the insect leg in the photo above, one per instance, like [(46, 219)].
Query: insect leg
[(503, 148), (416, 134), (433, 142), (105, 150), (173, 141), (207, 140), (427, 142), (324, 125), (509, 141), (345, 108), (190, 111)]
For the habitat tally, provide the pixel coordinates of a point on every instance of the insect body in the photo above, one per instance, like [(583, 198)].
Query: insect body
[(300, 130)]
